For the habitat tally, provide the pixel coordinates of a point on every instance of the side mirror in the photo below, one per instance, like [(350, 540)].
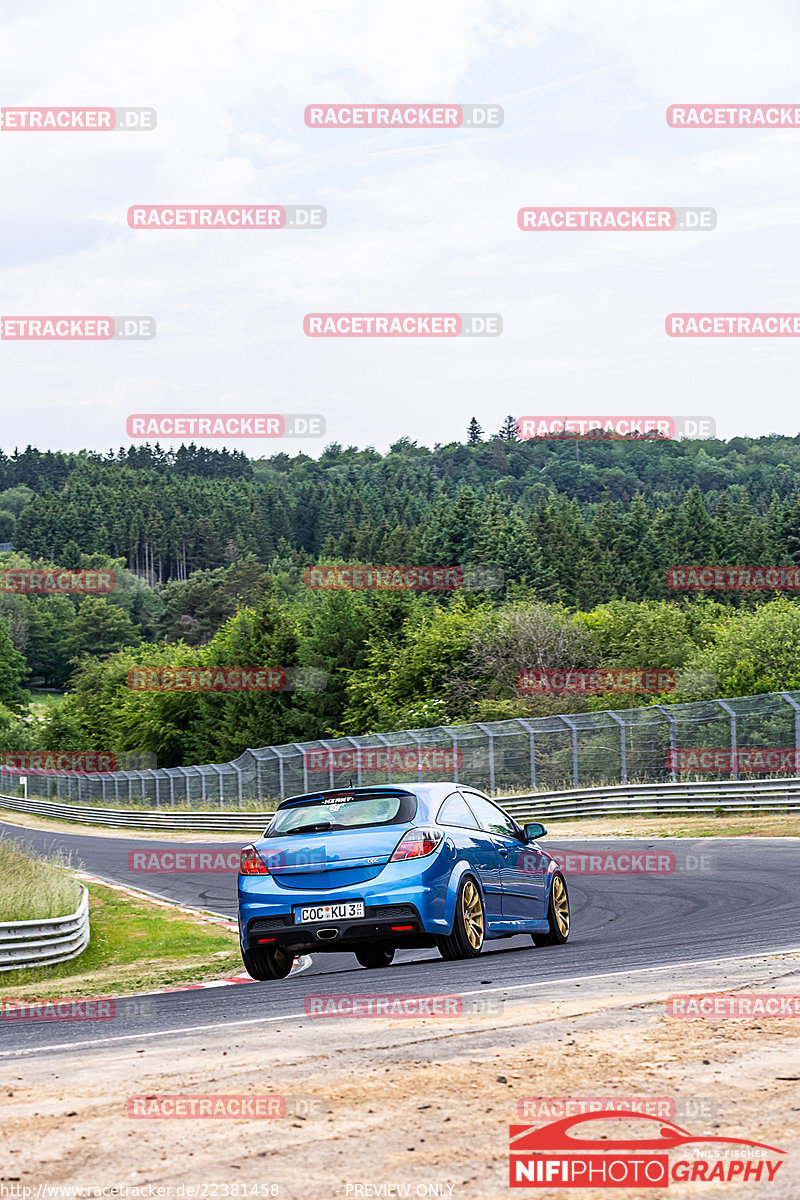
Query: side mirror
[(534, 831)]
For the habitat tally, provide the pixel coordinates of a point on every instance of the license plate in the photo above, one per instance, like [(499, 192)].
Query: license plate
[(329, 912)]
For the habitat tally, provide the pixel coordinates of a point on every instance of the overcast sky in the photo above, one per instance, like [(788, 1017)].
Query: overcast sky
[(417, 221)]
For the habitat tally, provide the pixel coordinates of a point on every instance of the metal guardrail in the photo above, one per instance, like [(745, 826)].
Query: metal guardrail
[(43, 942), (756, 795), (131, 818), (753, 795)]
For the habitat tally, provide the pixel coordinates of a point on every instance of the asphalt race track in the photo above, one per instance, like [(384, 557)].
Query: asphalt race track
[(726, 897)]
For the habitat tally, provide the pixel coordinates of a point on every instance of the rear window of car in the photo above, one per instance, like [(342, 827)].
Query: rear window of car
[(325, 813)]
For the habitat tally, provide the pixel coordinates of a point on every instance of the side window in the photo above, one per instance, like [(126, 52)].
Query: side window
[(492, 819), (455, 811)]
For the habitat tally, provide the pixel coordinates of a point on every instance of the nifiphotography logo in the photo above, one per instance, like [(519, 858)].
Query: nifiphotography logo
[(573, 1152)]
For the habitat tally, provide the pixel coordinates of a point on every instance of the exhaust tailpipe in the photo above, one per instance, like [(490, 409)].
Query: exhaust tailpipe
[(327, 935)]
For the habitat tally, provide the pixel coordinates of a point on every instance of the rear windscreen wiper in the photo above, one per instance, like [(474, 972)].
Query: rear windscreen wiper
[(316, 827)]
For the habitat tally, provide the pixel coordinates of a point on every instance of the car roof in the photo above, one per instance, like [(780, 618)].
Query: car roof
[(430, 794)]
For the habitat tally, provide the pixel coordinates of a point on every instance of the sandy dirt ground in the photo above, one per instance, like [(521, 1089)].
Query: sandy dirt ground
[(414, 1107)]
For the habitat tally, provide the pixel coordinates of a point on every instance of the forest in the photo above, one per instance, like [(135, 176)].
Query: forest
[(567, 543)]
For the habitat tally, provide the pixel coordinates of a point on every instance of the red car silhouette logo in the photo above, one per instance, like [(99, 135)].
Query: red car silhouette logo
[(557, 1137)]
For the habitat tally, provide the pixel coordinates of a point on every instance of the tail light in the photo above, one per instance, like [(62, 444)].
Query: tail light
[(417, 843), (251, 862)]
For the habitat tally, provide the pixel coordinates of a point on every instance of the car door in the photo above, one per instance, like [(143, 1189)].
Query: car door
[(477, 847), (523, 872)]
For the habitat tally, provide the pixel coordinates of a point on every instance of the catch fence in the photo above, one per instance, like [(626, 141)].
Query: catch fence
[(651, 744)]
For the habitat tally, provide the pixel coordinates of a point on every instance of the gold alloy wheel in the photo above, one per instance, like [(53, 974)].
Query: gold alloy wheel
[(472, 914), (561, 905)]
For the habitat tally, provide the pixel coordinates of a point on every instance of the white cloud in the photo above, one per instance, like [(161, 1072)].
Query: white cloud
[(416, 221)]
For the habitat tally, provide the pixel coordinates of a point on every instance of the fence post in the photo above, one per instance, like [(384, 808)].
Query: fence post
[(571, 725), (454, 740), (327, 746), (218, 769), (490, 735), (734, 756), (418, 743), (301, 746), (387, 744), (673, 740), (526, 724), (790, 700), (182, 771), (354, 743), (623, 756)]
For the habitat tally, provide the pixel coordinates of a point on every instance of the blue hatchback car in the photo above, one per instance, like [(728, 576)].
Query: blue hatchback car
[(376, 869)]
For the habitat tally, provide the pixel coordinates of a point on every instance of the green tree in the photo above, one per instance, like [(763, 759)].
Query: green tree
[(13, 670), (51, 643), (753, 651), (508, 430), (474, 432), (101, 628)]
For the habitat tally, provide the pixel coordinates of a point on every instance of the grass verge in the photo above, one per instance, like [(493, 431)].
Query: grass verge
[(135, 946), (699, 825), (33, 887)]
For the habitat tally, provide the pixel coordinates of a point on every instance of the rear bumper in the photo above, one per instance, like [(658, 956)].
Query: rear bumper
[(393, 924), (400, 895)]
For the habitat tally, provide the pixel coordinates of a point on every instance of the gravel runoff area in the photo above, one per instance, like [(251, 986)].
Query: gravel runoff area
[(417, 1107)]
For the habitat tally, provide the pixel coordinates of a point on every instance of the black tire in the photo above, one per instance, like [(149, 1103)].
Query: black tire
[(375, 956), (469, 923), (263, 963), (557, 915)]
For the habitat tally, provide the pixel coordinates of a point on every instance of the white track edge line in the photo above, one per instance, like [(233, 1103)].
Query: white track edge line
[(129, 1037)]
